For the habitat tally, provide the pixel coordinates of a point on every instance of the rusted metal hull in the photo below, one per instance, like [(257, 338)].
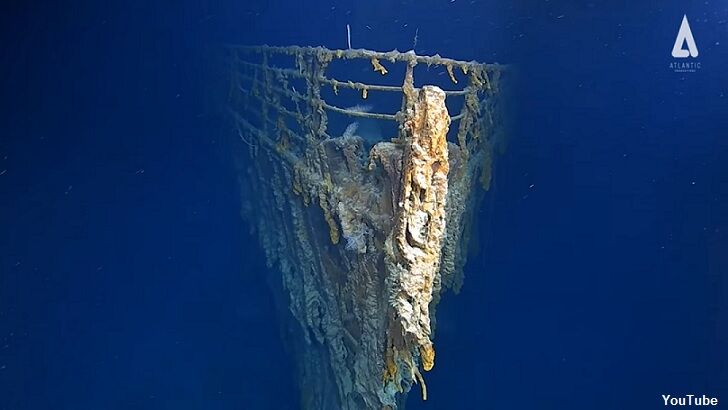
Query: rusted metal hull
[(364, 239)]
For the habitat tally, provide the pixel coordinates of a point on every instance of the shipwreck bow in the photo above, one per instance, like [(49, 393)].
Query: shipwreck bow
[(363, 236)]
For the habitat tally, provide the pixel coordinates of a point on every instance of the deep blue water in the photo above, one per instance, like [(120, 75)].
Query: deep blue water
[(128, 280)]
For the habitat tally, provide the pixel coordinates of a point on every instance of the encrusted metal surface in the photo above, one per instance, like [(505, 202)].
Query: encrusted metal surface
[(365, 234)]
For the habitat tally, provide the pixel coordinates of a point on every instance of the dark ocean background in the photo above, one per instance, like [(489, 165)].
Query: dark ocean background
[(129, 281)]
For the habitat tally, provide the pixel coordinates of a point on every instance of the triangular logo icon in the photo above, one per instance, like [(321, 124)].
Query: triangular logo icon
[(684, 36)]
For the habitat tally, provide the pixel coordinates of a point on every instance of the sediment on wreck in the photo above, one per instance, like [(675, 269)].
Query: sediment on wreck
[(363, 236)]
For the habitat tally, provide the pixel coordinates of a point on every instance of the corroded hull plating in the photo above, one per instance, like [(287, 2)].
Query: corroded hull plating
[(365, 239)]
